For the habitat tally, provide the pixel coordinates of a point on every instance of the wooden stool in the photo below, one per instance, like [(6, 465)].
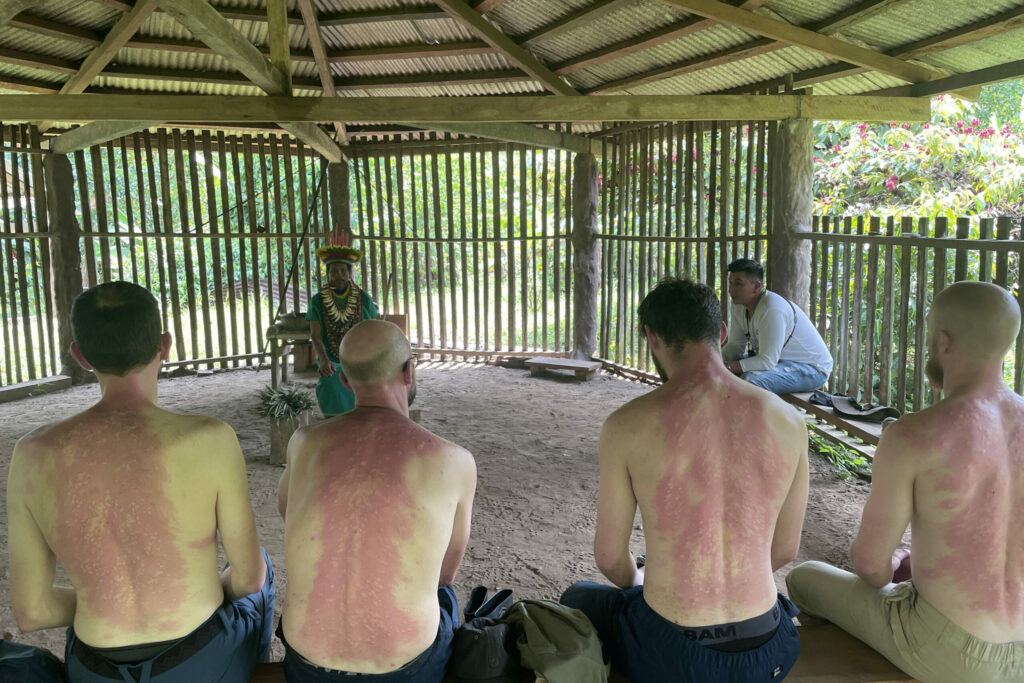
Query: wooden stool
[(830, 655), (583, 369)]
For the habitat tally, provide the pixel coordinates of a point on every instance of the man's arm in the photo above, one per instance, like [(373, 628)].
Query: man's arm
[(771, 335), (616, 509), (235, 521), (888, 510), (736, 343), (460, 529), (790, 523), (326, 366), (37, 603)]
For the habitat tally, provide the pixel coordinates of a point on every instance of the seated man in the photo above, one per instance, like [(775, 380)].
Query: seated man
[(772, 343), (718, 469), (131, 499), (377, 514), (955, 473)]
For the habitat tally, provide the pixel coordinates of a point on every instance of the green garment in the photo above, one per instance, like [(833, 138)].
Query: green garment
[(557, 642), (334, 398)]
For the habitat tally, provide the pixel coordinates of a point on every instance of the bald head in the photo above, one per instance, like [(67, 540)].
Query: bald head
[(373, 352), (980, 317)]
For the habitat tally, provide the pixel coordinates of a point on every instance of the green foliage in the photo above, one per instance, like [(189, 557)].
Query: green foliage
[(845, 461), (965, 162), (283, 403)]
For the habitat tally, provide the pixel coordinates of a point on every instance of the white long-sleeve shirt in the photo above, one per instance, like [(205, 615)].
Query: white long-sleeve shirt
[(773, 320)]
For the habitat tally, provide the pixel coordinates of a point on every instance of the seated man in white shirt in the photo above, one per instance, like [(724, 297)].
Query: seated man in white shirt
[(772, 343)]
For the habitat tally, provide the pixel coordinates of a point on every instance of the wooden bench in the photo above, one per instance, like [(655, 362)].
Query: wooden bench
[(35, 387), (583, 369), (827, 655), (839, 429)]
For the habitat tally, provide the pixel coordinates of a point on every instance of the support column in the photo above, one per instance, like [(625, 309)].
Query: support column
[(65, 255), (586, 264), (338, 191), (789, 259)]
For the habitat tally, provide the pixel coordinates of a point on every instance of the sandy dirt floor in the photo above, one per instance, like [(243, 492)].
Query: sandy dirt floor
[(535, 442)]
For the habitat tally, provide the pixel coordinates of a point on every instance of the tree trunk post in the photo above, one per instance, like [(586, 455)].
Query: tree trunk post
[(65, 255), (338, 190), (789, 258), (586, 264)]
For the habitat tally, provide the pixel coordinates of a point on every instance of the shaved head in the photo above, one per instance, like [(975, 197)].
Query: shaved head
[(980, 317), (373, 352)]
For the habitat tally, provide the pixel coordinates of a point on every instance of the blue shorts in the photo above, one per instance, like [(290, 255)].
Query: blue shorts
[(225, 648), (428, 667), (644, 646)]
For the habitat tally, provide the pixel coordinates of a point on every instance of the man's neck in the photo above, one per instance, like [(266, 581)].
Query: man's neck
[(134, 389), (973, 378), (696, 363), (384, 398), (752, 306)]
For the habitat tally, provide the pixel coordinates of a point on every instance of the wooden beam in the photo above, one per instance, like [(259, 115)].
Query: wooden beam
[(758, 46), (37, 61), (390, 52), (571, 21), (278, 38), (95, 133), (102, 54), (622, 48), (28, 85), (384, 14), (521, 133), (323, 68), (970, 79), (492, 109), (54, 29), (11, 8), (485, 6), (469, 17), (794, 35)]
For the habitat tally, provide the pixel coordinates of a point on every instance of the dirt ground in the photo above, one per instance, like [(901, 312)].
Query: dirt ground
[(535, 442)]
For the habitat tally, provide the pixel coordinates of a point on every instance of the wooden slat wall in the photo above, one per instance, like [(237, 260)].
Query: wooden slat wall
[(210, 224), (471, 243), (874, 285), (681, 199)]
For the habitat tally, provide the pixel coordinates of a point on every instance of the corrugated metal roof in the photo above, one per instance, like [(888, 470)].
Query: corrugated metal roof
[(174, 71)]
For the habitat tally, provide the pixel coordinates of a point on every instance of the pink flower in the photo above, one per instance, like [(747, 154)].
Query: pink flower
[(988, 132), (888, 148), (875, 148), (833, 164), (974, 122), (817, 160), (892, 182), (906, 145), (959, 124), (862, 128), (927, 126), (906, 126)]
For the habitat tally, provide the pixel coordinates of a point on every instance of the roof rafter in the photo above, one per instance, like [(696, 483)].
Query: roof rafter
[(758, 46), (522, 133), (571, 21), (794, 35), (468, 16), (485, 6), (102, 54), (673, 31), (970, 79), (323, 67)]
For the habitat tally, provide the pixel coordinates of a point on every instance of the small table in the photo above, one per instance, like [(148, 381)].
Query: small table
[(583, 369), (279, 340)]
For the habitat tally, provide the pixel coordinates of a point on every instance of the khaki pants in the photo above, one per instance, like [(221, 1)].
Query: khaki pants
[(902, 626)]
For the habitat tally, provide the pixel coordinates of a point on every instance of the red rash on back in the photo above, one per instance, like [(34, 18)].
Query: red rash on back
[(715, 507), (368, 514), (115, 528)]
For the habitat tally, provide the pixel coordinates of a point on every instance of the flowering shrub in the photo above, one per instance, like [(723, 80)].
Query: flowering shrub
[(956, 165)]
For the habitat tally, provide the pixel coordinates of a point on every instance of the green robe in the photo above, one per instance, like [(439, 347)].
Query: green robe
[(334, 398)]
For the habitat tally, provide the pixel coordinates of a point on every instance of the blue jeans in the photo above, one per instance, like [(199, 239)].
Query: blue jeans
[(225, 648), (646, 647), (787, 377), (428, 667)]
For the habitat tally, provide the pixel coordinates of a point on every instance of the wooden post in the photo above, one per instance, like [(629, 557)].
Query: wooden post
[(586, 263), (65, 255), (338, 184), (789, 259)]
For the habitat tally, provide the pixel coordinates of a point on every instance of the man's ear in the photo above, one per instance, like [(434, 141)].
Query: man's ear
[(945, 341), (344, 381), (723, 335), (758, 286), (653, 340), (408, 373), (165, 346), (76, 353)]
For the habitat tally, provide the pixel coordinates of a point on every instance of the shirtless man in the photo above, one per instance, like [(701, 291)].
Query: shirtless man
[(718, 468), (131, 499), (955, 473), (377, 514)]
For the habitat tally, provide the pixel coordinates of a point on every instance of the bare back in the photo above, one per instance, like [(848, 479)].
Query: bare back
[(127, 500), (375, 504), (968, 543), (712, 463)]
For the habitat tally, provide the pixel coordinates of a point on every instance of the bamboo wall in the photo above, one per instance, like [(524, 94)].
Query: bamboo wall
[(470, 241), (872, 282), (679, 199)]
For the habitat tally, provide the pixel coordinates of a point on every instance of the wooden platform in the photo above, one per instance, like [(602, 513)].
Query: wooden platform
[(13, 392), (827, 655), (857, 435), (583, 369)]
